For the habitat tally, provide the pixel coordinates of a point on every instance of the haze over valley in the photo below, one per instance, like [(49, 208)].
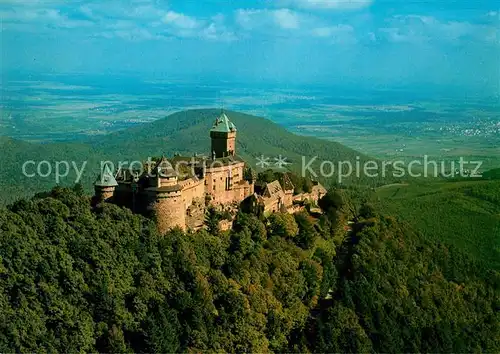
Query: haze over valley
[(387, 124)]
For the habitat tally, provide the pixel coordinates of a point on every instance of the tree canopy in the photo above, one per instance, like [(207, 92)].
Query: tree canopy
[(73, 278)]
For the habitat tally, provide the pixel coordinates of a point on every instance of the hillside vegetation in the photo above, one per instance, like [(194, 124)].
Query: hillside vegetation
[(185, 133), (462, 213), (492, 174), (73, 279)]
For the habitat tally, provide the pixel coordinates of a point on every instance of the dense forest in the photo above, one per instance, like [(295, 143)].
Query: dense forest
[(352, 279), (464, 213)]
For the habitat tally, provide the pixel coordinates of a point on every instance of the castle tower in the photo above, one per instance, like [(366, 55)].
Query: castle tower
[(223, 135), (166, 197), (105, 185), (169, 208)]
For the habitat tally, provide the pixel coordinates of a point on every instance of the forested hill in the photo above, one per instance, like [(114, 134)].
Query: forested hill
[(187, 132), (73, 279), (462, 213), (184, 132)]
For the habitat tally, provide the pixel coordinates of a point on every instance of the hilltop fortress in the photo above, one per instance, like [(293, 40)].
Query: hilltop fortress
[(177, 191)]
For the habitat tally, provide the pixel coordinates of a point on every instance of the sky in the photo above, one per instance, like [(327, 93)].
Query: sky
[(382, 43)]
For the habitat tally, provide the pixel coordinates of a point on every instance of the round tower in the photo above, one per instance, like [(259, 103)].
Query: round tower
[(169, 209), (104, 186), (166, 198)]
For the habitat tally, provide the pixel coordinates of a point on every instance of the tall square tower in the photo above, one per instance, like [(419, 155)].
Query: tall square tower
[(223, 135)]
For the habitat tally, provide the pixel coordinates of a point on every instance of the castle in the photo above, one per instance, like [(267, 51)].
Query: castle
[(176, 191)]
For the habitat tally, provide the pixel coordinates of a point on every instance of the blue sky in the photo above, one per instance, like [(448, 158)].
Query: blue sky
[(384, 43)]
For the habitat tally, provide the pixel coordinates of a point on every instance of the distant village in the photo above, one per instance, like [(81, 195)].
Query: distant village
[(223, 181)]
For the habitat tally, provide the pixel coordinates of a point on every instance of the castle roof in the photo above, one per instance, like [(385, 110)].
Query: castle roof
[(274, 190), (106, 178), (220, 161), (222, 124), (318, 188), (164, 168)]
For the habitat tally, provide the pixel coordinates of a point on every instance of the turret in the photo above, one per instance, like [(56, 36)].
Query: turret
[(164, 174), (223, 135), (105, 185)]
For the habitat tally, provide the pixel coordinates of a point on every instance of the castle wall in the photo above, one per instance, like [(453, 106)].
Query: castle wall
[(317, 193), (216, 183), (169, 210), (271, 205), (159, 181), (242, 190), (249, 189), (295, 209), (104, 194), (192, 189), (288, 200), (195, 215)]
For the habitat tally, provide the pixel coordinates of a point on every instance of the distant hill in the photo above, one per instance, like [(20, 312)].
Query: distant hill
[(14, 184), (465, 213), (184, 132), (492, 174), (187, 132)]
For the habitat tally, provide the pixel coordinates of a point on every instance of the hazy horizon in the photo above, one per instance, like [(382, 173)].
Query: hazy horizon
[(427, 45)]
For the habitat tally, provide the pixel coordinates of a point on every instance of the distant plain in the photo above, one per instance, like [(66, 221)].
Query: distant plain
[(384, 124)]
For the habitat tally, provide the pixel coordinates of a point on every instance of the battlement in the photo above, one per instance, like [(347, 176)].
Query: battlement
[(190, 182)]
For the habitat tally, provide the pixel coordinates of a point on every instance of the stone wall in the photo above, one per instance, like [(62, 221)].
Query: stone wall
[(169, 211), (271, 205), (317, 192), (192, 189), (295, 209), (216, 183), (195, 214), (104, 194), (288, 200)]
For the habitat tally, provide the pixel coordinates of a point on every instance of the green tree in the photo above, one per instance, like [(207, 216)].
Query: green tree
[(81, 279), (367, 210), (307, 233), (331, 200), (78, 189), (283, 224), (212, 219)]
